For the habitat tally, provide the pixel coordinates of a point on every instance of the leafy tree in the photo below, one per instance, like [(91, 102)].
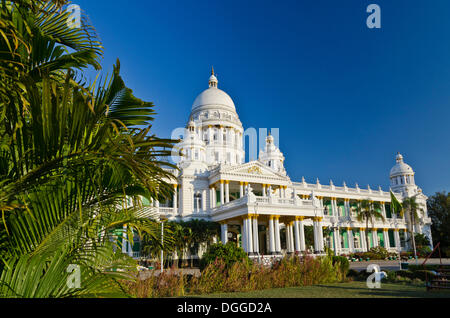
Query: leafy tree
[(73, 157), (230, 253), (438, 206), (411, 209), (421, 240), (367, 211)]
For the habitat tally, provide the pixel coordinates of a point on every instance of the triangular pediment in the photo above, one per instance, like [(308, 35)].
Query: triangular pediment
[(253, 169)]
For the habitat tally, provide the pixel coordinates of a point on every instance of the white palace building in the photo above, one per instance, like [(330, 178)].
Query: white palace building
[(260, 207)]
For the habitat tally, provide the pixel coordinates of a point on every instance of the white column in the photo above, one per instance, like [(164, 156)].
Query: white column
[(362, 234), (244, 235), (249, 235), (214, 196), (338, 239), (375, 238), (263, 190), (227, 191), (224, 228), (255, 235), (210, 198), (320, 228), (288, 237), (397, 239), (204, 200), (316, 235), (291, 237), (221, 193), (297, 235), (386, 238), (301, 229), (241, 189), (336, 245), (175, 196), (277, 235), (351, 242), (271, 236)]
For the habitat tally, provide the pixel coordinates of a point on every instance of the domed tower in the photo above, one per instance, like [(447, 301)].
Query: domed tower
[(217, 125), (402, 177), (271, 156), (192, 147)]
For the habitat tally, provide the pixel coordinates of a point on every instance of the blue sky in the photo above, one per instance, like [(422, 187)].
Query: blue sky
[(345, 97)]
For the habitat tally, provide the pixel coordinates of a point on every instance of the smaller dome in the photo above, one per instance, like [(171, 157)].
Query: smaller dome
[(213, 78), (401, 168)]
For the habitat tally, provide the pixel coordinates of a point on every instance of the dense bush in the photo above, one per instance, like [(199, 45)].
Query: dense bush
[(380, 252), (408, 276), (342, 265), (230, 253), (219, 276), (423, 251), (427, 267), (374, 253)]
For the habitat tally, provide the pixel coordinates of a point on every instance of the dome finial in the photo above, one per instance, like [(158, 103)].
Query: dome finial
[(399, 157), (213, 79)]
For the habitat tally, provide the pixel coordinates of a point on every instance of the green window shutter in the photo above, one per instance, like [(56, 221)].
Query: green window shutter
[(217, 197), (391, 238), (388, 210), (327, 204), (344, 237), (381, 238)]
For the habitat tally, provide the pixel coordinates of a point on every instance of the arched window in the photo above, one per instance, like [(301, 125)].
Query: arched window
[(356, 241), (197, 202)]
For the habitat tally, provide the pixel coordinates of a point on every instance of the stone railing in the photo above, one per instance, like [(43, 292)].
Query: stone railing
[(265, 201)]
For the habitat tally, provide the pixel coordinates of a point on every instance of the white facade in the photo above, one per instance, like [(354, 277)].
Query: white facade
[(256, 200)]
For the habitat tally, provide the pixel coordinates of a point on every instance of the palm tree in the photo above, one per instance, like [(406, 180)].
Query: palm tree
[(368, 211), (411, 208), (71, 157)]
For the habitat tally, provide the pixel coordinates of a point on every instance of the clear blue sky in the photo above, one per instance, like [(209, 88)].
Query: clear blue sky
[(345, 98)]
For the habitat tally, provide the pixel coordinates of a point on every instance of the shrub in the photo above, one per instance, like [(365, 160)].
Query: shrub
[(342, 265), (422, 274), (423, 251), (230, 253), (353, 273), (427, 267), (405, 273), (381, 252), (219, 276)]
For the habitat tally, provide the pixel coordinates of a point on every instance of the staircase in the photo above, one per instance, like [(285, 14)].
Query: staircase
[(440, 277), (440, 280)]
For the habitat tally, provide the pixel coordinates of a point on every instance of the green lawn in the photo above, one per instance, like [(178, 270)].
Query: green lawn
[(340, 290)]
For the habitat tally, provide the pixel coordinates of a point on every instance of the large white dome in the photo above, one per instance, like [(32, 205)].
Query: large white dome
[(401, 168), (214, 97)]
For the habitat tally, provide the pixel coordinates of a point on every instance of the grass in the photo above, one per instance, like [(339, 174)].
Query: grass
[(353, 289)]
